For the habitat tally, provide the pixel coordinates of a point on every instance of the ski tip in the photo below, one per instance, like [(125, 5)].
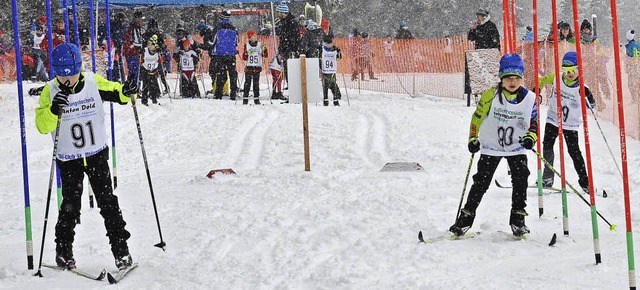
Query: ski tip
[(38, 274), (102, 275), (420, 237), (553, 240), (604, 194), (112, 280)]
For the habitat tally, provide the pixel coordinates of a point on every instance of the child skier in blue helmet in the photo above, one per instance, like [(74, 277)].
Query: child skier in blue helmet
[(503, 125), (572, 119), (70, 107)]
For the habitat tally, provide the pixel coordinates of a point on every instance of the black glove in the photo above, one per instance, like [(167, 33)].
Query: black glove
[(130, 88), (528, 140), (474, 144), (60, 100)]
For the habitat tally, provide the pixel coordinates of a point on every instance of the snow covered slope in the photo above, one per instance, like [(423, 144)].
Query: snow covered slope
[(343, 225)]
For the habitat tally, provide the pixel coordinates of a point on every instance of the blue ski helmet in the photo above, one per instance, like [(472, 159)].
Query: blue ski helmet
[(511, 65), (66, 60), (570, 59)]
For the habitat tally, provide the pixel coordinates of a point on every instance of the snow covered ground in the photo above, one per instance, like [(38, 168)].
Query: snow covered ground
[(343, 225)]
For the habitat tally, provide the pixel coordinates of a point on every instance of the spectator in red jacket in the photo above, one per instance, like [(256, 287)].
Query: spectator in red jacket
[(132, 45)]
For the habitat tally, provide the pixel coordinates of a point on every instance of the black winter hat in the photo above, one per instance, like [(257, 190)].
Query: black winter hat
[(585, 24), (365, 35), (563, 24), (482, 12), (327, 39), (138, 14)]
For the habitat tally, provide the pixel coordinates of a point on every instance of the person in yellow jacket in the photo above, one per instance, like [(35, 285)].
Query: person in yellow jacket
[(71, 109), (503, 125)]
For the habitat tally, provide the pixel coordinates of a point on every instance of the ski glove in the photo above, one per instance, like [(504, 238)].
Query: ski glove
[(59, 102), (129, 88), (474, 144), (528, 140)]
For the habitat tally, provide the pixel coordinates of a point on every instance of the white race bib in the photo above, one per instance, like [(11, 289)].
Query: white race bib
[(329, 62), (254, 55), (82, 128), (504, 125)]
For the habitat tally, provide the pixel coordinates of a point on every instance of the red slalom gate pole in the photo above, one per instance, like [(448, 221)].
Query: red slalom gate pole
[(587, 144), (558, 92), (505, 21), (623, 148), (536, 80), (514, 37)]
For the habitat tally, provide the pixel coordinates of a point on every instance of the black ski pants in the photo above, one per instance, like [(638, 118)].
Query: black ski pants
[(329, 83), (571, 140), (482, 179), (218, 69), (72, 174), (252, 77)]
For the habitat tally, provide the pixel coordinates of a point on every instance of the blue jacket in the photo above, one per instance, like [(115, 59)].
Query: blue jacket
[(633, 48), (225, 42)]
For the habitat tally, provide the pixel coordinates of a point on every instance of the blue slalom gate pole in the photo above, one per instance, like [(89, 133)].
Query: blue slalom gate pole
[(65, 16), (110, 74), (23, 138), (75, 23)]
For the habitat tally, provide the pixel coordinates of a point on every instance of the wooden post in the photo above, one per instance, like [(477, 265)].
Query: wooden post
[(305, 112)]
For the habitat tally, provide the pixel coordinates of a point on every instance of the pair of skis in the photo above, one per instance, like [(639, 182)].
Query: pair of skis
[(113, 278), (469, 235)]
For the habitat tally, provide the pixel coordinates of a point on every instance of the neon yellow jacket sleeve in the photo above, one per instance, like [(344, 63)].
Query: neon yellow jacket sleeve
[(46, 121), (111, 91), (547, 79), (481, 111)]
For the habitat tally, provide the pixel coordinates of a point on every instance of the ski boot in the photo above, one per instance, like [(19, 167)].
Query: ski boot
[(463, 223), (517, 222), (245, 100), (124, 262), (64, 257), (256, 101), (336, 103)]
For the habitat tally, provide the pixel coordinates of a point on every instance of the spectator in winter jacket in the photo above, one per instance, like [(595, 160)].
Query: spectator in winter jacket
[(311, 44), (632, 66), (57, 35), (633, 47), (586, 35), (403, 32), (224, 49), (483, 31), (118, 28), (288, 31), (528, 37), (132, 45), (365, 59), (565, 33)]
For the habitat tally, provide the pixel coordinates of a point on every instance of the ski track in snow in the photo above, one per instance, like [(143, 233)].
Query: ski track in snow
[(372, 135)]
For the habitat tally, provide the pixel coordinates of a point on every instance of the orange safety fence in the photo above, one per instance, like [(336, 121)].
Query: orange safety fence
[(436, 67)]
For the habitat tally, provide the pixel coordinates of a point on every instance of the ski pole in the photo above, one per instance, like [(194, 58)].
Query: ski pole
[(90, 189), (612, 227), (606, 142), (346, 90), (46, 211), (161, 244), (464, 188)]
